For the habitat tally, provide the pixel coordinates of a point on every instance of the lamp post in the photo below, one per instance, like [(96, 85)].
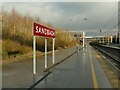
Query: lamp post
[(83, 32), (83, 39)]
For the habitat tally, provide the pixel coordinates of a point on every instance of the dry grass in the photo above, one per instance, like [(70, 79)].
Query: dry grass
[(17, 34)]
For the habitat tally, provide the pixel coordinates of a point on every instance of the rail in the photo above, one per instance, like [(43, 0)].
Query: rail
[(112, 52)]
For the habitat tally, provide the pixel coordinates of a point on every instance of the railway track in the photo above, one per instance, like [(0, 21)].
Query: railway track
[(111, 55)]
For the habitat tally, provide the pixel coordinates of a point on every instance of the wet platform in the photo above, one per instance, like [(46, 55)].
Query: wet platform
[(82, 70)]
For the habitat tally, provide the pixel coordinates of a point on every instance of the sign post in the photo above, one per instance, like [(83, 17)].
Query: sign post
[(45, 52), (53, 61), (41, 30), (34, 54)]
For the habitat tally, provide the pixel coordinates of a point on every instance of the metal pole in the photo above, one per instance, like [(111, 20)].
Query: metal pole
[(53, 50), (108, 39), (111, 39), (77, 47), (34, 54), (45, 52), (116, 38), (119, 36), (83, 40), (103, 39)]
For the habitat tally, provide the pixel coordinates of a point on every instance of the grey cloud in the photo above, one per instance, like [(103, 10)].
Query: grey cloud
[(59, 13)]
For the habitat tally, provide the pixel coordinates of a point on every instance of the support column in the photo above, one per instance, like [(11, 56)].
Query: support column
[(53, 50), (34, 54), (45, 52)]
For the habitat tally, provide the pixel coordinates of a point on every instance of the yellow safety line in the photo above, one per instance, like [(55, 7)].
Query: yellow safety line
[(93, 73)]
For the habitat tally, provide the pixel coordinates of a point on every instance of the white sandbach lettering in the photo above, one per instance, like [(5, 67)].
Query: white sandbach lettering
[(44, 31), (37, 29)]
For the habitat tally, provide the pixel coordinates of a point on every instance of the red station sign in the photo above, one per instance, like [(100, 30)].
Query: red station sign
[(40, 30)]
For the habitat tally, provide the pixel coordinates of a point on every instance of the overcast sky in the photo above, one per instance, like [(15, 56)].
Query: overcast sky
[(71, 15)]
